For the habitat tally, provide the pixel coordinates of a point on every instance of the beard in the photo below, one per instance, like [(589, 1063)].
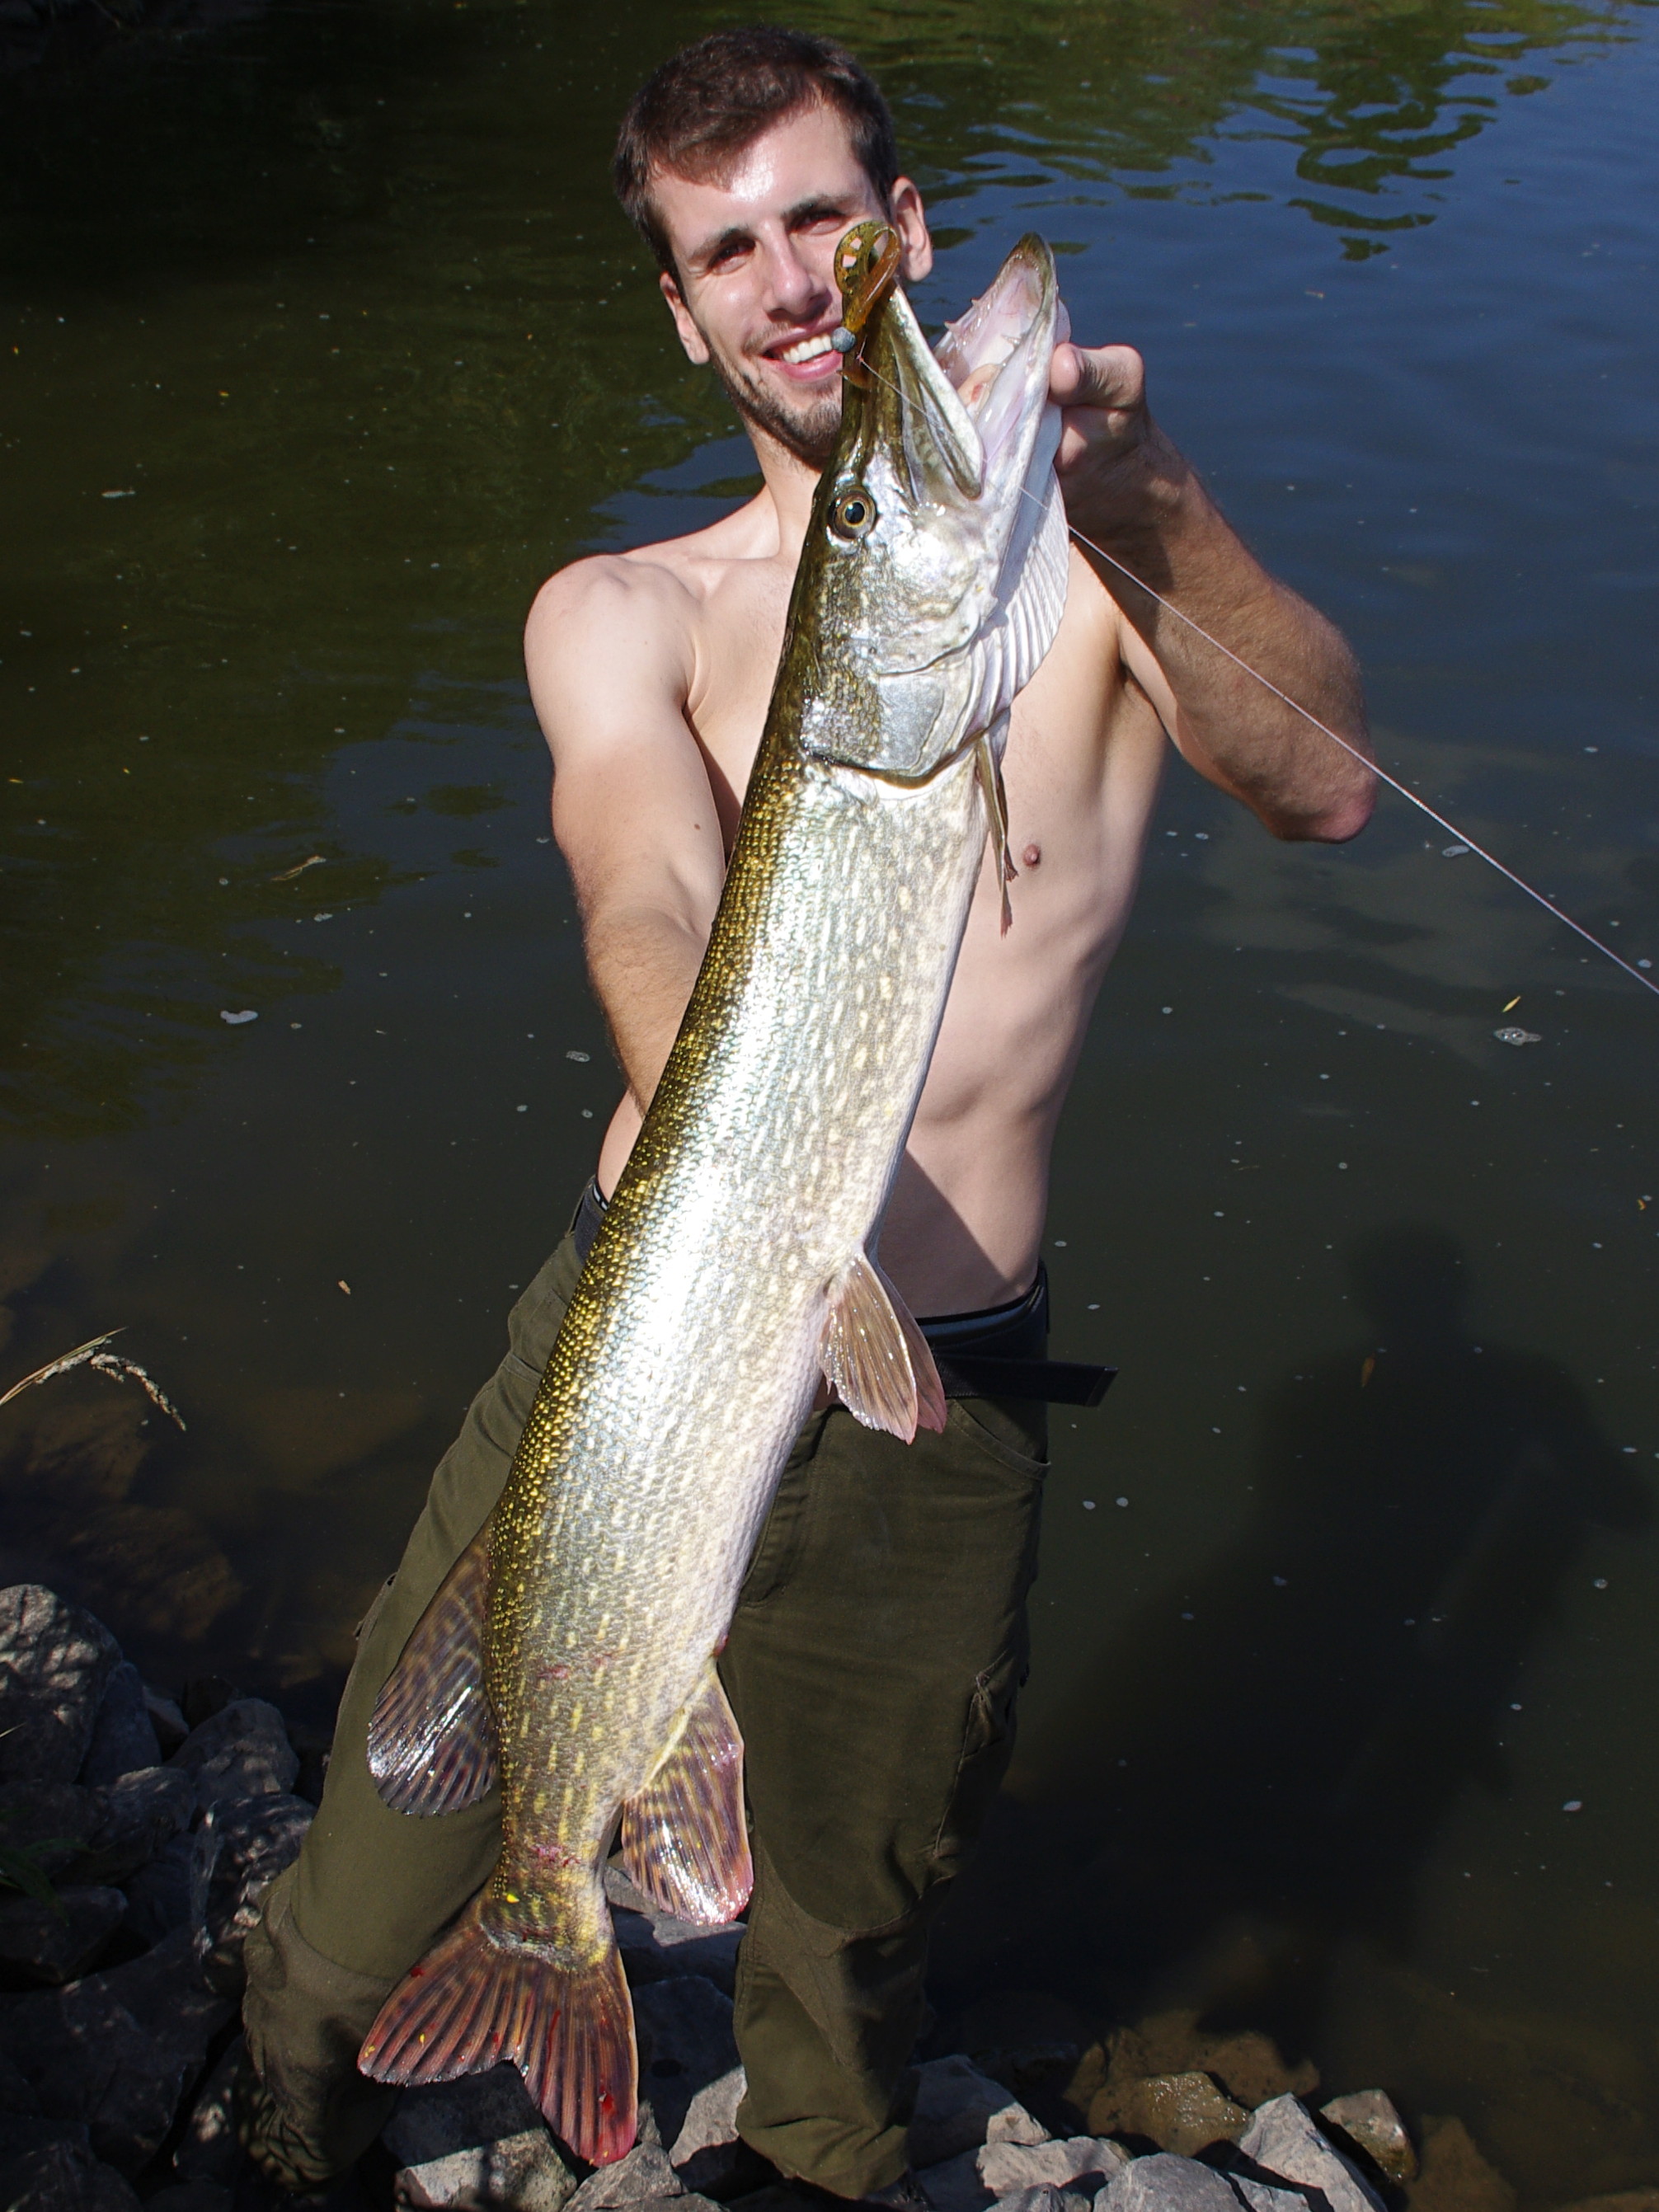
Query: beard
[(809, 431)]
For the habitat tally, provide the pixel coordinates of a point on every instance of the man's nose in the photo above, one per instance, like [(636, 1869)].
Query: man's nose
[(797, 292)]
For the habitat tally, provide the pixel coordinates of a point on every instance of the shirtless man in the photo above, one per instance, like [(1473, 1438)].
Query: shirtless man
[(879, 1642)]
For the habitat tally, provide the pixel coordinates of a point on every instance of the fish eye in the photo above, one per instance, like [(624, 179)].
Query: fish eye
[(852, 513)]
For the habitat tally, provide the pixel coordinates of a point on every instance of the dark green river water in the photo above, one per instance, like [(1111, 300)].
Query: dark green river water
[(321, 345)]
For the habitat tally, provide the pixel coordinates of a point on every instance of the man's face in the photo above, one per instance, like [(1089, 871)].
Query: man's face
[(755, 250)]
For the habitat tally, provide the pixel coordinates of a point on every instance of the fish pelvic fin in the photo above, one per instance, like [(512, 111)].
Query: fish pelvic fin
[(989, 768), (474, 2000), (684, 1837), (877, 1357), (432, 1738)]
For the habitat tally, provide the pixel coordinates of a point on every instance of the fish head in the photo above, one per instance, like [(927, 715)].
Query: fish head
[(933, 578)]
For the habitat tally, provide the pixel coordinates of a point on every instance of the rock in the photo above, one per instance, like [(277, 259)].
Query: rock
[(135, 1818), (210, 2150), (116, 2049), (1163, 2183), (240, 1750), (67, 2178), (1043, 2198), (15, 2094), (54, 1662), (685, 2032), (124, 1736), (1183, 2112), (523, 2172), (474, 2142), (171, 1891), (27, 2131), (1260, 2196), (191, 2196), (166, 1718), (1368, 2118), (639, 2179), (706, 2153), (1285, 2144), (1454, 2177), (953, 2184), (958, 2108), (53, 1821), (1087, 2161), (56, 1942), (251, 1840), (655, 1946), (1248, 2066)]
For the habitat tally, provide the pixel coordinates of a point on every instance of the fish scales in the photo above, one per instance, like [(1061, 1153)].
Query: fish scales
[(731, 1271)]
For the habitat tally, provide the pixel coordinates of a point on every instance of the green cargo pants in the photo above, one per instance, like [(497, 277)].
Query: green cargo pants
[(872, 1664)]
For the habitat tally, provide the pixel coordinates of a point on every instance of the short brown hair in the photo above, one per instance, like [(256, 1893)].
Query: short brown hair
[(703, 106)]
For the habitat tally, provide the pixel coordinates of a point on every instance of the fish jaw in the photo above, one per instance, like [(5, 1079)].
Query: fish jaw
[(935, 557)]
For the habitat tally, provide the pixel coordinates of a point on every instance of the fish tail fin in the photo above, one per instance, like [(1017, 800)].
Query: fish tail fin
[(473, 2001)]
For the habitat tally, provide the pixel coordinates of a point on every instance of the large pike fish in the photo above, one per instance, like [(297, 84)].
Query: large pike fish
[(571, 1650)]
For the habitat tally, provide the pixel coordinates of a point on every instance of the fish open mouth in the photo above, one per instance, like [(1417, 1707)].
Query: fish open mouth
[(985, 350)]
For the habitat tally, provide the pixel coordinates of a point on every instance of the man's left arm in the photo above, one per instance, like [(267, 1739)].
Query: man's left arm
[(1127, 488)]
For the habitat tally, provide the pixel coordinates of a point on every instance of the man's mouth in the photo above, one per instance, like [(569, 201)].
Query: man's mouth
[(808, 360)]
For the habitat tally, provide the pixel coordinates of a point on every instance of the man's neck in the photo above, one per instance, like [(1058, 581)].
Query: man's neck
[(790, 484)]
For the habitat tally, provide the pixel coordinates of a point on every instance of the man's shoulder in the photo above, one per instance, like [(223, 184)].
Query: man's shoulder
[(667, 584)]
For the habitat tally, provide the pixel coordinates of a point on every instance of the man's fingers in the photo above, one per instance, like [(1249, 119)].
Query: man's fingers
[(1098, 376)]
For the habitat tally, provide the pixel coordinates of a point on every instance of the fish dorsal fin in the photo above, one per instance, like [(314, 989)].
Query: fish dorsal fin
[(432, 1739), (877, 1358), (684, 1839)]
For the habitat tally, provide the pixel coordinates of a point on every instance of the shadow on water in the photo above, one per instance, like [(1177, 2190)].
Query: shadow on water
[(1256, 1770)]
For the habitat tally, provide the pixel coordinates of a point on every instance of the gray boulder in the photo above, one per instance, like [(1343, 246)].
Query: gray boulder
[(655, 1946), (1284, 2142), (53, 1821), (1045, 2199), (1260, 2196), (958, 2108), (124, 1736), (56, 1942), (683, 2028), (167, 1719), (1368, 2119), (643, 2178), (707, 2153), (55, 1660), (29, 2131), (171, 1891), (240, 1750), (15, 2094), (475, 2142), (250, 1840), (134, 1818), (210, 2150), (115, 2049), (1084, 2162), (66, 2177), (1165, 2183)]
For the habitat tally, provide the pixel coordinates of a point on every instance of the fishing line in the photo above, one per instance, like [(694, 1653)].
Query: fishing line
[(1352, 751)]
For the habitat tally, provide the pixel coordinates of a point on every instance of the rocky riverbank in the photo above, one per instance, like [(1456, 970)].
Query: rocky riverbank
[(138, 1831)]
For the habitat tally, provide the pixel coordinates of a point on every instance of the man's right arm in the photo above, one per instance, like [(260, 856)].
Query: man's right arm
[(609, 652)]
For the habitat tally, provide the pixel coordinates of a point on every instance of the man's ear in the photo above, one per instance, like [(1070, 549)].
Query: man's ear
[(691, 337), (910, 221)]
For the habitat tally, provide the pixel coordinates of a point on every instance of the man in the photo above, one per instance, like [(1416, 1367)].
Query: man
[(879, 1642)]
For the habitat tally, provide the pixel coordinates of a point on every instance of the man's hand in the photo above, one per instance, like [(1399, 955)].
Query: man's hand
[(1119, 474), (1128, 489)]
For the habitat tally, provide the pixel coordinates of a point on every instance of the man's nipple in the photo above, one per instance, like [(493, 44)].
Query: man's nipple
[(1032, 856)]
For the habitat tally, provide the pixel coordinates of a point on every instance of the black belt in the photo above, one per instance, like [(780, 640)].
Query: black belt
[(965, 1347)]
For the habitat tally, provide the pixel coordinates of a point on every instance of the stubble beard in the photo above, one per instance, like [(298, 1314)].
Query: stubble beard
[(808, 432)]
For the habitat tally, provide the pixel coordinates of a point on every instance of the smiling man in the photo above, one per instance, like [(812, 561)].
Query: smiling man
[(879, 1642)]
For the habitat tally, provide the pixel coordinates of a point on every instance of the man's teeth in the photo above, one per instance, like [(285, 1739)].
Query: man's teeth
[(807, 349)]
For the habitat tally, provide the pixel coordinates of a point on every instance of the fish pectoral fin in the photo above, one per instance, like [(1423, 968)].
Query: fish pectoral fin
[(684, 1839), (472, 2002), (877, 1357), (432, 1738)]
